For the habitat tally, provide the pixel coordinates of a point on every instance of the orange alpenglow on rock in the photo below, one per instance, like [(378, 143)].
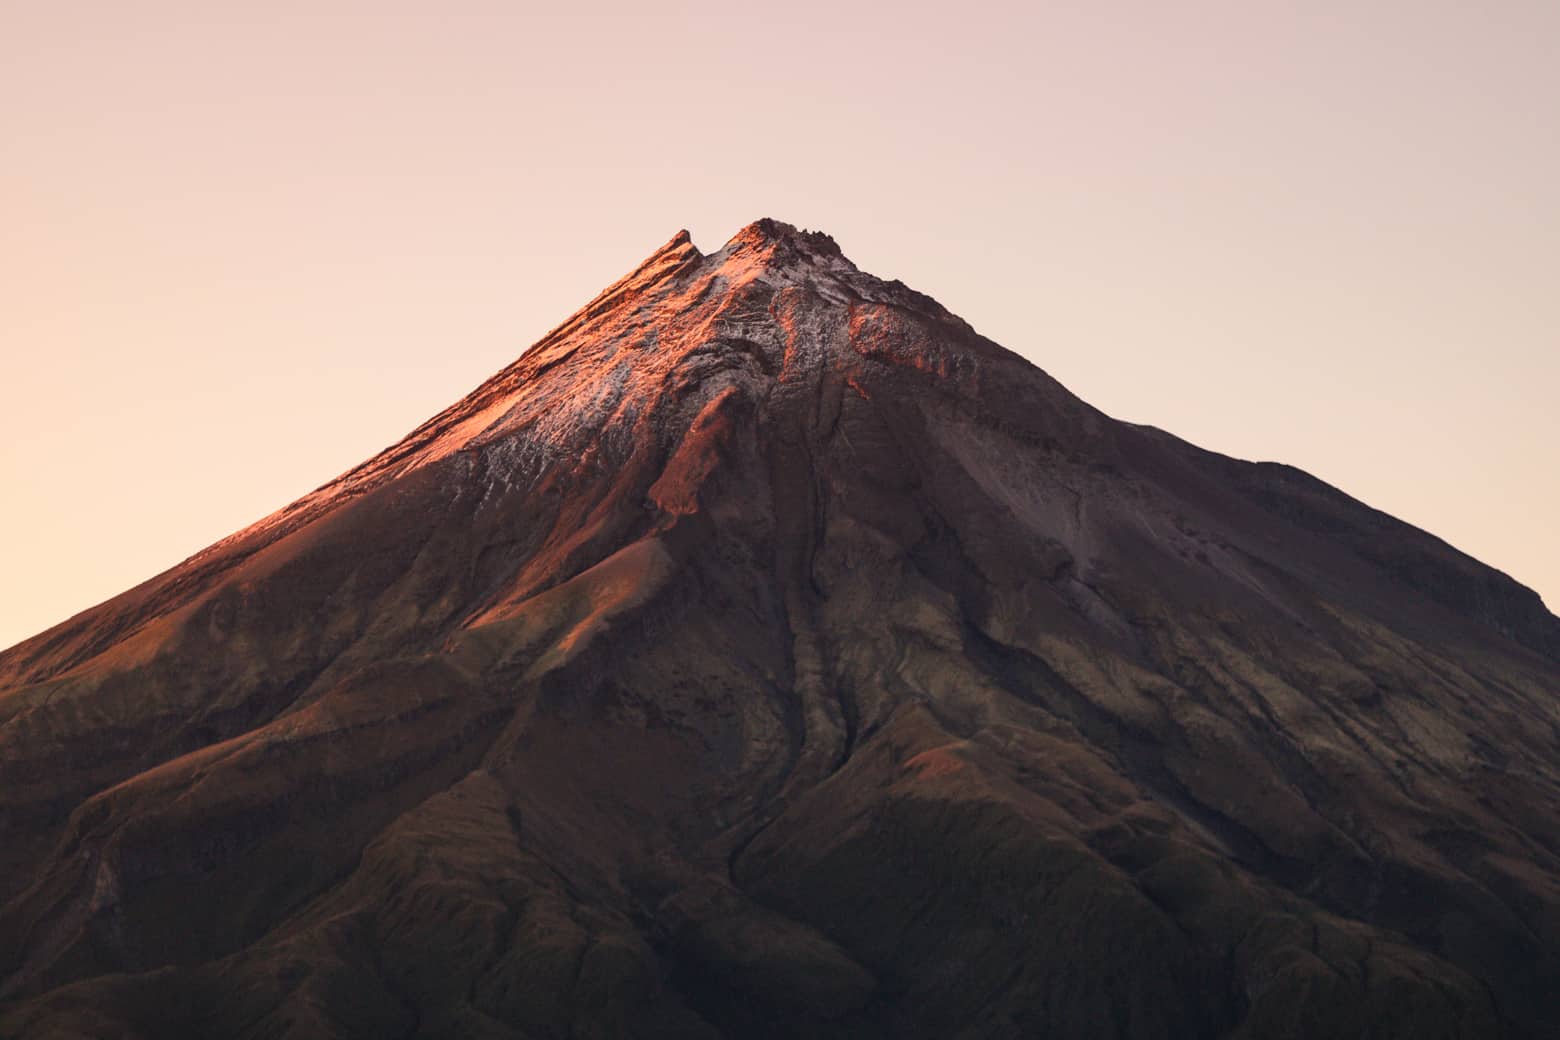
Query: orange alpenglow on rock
[(766, 653)]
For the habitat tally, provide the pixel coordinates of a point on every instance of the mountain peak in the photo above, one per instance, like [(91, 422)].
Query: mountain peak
[(769, 233), (766, 248), (777, 246)]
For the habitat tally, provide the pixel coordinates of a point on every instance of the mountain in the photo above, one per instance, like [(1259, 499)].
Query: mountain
[(765, 654)]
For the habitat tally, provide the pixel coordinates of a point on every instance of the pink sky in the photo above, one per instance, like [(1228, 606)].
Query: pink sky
[(246, 246)]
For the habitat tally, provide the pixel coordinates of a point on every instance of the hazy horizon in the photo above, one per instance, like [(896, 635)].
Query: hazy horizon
[(247, 251)]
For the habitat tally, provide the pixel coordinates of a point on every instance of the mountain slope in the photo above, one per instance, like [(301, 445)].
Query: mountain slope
[(766, 653)]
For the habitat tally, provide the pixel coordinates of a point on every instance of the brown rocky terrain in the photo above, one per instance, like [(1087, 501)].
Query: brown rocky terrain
[(767, 654)]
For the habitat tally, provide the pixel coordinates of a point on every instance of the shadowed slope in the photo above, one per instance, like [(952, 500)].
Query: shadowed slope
[(765, 653)]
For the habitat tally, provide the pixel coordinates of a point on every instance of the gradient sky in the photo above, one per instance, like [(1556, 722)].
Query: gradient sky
[(245, 246)]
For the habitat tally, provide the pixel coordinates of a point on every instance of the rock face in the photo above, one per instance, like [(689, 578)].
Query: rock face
[(765, 653)]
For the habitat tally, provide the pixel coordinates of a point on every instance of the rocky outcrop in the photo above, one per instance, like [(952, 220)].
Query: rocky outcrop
[(765, 653)]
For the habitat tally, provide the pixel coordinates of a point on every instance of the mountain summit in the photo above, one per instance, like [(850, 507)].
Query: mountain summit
[(766, 653)]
